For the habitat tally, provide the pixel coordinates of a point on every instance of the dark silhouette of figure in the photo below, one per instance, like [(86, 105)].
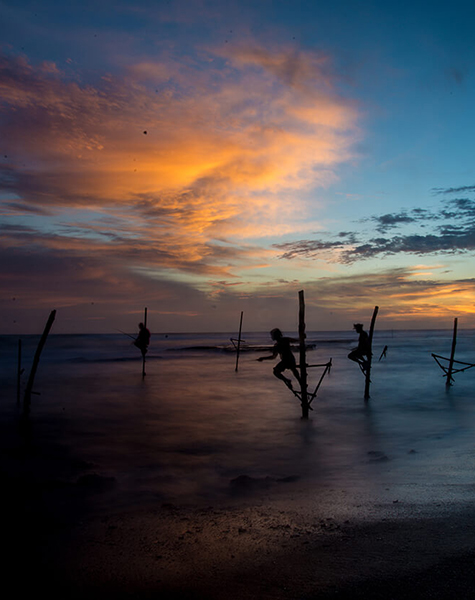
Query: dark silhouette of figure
[(287, 359), (142, 341), (362, 352)]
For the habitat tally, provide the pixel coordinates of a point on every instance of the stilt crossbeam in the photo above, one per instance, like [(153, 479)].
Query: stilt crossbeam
[(311, 395), (326, 370), (445, 367), (450, 368)]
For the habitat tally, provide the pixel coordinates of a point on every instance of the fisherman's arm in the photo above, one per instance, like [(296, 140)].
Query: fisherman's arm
[(273, 355)]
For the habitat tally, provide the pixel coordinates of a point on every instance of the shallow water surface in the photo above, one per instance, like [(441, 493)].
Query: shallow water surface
[(194, 429)]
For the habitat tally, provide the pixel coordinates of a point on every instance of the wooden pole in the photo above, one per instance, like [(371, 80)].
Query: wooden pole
[(143, 352), (368, 370), (18, 376), (36, 360), (303, 358), (239, 343), (448, 383)]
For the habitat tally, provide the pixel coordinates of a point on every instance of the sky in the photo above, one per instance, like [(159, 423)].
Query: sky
[(206, 157)]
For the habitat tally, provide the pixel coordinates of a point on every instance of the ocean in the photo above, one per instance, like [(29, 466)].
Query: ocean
[(196, 431)]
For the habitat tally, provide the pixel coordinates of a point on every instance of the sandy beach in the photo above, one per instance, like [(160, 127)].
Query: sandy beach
[(278, 550), (272, 540)]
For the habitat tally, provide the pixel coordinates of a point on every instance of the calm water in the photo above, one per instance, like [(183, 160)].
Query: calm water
[(193, 424)]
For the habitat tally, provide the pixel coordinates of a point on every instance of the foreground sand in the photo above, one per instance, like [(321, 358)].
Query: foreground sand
[(70, 541)]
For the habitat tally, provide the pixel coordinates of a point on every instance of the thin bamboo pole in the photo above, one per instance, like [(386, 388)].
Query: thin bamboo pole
[(448, 383), (368, 369), (143, 352), (36, 360), (239, 343), (303, 358), (18, 376)]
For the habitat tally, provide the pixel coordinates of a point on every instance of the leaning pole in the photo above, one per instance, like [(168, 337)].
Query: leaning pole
[(36, 360)]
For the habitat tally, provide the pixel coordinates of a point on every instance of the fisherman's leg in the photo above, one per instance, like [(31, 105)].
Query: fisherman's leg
[(278, 372), (296, 374)]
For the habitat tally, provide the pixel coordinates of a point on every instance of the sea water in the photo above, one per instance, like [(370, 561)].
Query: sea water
[(195, 429)]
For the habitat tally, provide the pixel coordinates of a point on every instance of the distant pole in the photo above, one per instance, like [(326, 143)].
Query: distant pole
[(303, 357), (143, 352), (368, 370), (18, 376), (239, 343), (36, 360), (448, 383)]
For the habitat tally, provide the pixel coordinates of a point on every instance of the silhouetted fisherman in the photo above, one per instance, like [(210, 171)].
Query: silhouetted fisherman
[(287, 359), (142, 341), (362, 352)]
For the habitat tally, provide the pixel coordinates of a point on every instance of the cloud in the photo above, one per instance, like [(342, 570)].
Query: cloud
[(220, 130), (306, 71), (454, 190), (386, 222), (407, 297), (453, 232), (184, 153), (402, 294)]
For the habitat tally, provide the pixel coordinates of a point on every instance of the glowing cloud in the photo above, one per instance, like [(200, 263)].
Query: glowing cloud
[(181, 155)]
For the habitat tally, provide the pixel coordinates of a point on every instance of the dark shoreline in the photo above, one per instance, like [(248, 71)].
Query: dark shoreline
[(56, 542)]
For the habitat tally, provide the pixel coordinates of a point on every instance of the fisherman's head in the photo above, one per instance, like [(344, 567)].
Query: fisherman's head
[(276, 334), (140, 325), (358, 327)]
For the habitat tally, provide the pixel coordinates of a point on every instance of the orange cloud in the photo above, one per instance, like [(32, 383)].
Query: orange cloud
[(401, 296), (190, 153), (155, 183)]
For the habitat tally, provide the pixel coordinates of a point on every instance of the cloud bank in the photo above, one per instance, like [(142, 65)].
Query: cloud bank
[(186, 151), (162, 171), (452, 232)]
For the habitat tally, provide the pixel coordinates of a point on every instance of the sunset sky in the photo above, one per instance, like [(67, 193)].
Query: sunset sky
[(204, 158)]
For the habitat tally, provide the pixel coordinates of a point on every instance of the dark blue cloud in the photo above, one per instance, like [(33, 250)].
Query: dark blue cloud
[(453, 232)]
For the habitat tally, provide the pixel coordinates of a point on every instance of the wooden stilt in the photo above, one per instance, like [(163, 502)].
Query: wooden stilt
[(239, 343), (36, 360), (448, 383), (18, 376), (303, 358), (454, 366), (303, 394), (368, 369), (143, 352)]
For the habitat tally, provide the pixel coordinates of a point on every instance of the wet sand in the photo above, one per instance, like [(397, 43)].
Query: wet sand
[(70, 540)]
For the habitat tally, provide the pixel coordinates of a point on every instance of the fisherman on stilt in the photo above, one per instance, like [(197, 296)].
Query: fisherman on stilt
[(287, 359), (362, 352), (142, 341)]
